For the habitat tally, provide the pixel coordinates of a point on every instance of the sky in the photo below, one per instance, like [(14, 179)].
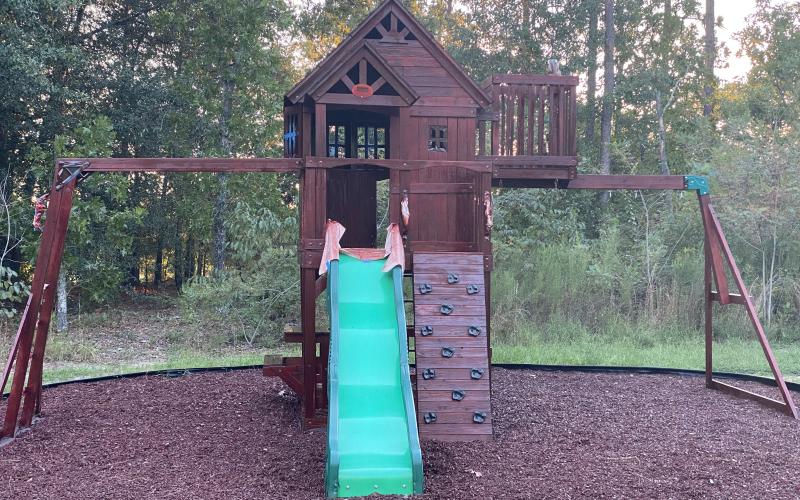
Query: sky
[(733, 13)]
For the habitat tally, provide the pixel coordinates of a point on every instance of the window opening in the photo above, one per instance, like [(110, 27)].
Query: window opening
[(437, 138)]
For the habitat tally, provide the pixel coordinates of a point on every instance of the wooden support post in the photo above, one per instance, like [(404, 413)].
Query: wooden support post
[(308, 321), (54, 233), (33, 390), (709, 311), (790, 407), (712, 239), (320, 130)]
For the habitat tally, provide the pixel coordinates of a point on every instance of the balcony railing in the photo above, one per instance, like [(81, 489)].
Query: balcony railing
[(532, 119)]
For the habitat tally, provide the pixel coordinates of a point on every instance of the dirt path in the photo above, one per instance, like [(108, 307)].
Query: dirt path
[(558, 435)]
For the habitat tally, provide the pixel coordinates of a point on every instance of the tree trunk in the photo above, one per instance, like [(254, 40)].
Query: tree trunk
[(608, 96), (591, 80), (158, 272), (222, 178), (663, 164), (710, 52), (189, 263), (62, 322), (178, 258)]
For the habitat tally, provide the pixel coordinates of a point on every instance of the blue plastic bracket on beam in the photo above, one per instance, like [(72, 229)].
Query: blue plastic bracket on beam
[(698, 183)]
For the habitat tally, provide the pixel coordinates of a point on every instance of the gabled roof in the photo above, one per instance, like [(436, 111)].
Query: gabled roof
[(355, 41), (320, 86)]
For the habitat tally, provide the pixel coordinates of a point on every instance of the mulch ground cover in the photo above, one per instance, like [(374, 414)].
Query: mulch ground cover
[(558, 435)]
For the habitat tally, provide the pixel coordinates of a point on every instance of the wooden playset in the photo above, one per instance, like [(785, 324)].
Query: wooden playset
[(390, 105)]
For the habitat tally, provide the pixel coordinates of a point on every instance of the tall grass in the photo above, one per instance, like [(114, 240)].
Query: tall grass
[(589, 304)]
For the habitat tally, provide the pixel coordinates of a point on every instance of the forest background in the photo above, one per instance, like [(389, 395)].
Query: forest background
[(200, 269)]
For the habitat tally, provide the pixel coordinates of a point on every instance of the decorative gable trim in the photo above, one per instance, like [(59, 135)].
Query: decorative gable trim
[(363, 56), (372, 24)]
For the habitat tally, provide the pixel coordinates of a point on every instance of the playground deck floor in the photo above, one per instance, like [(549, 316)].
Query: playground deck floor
[(558, 435)]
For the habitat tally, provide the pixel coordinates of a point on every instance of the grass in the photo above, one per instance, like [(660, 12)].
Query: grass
[(565, 343), (59, 372), (126, 341)]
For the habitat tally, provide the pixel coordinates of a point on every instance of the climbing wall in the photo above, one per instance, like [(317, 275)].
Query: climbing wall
[(452, 363)]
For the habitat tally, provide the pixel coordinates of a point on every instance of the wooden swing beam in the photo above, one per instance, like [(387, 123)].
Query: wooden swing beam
[(26, 356)]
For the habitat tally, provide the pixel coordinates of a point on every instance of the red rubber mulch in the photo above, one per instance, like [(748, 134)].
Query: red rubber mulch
[(558, 435)]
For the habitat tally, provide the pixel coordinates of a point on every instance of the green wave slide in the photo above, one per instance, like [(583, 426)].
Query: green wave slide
[(373, 443)]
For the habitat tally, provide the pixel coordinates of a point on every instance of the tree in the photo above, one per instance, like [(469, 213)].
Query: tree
[(608, 95), (710, 52), (591, 78)]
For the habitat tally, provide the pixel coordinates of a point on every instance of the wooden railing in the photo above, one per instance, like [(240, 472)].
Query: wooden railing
[(531, 116)]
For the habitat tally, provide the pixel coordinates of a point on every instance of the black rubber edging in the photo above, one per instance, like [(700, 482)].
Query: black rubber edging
[(169, 372), (643, 370)]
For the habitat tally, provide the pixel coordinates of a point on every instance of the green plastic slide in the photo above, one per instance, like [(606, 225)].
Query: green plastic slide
[(373, 444)]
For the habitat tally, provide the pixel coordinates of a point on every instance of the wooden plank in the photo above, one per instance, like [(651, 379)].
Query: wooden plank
[(552, 136), (713, 240), (232, 165), (445, 246), (450, 330), (441, 188), (23, 327), (535, 79), (474, 396), (455, 429), (453, 374), (543, 103), (530, 150), (454, 418), (424, 71), (439, 277), (309, 346), (453, 267), (674, 182), (448, 111), (445, 101), (425, 350), (440, 91), (430, 81), (463, 257), (522, 161), (481, 137), (312, 162), (444, 298), (458, 310), (734, 298), (507, 175), (321, 130), (410, 60), (428, 362), (430, 436), (511, 97), (573, 127), (454, 406), (709, 312), (373, 100), (745, 394), (434, 343), (449, 385), (520, 112)]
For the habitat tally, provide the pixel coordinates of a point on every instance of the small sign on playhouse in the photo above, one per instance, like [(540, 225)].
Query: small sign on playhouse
[(362, 90)]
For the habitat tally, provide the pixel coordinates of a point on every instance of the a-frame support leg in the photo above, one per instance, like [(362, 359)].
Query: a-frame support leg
[(36, 317), (716, 247)]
